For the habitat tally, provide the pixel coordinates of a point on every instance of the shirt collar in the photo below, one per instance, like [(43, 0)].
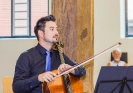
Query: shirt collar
[(42, 50)]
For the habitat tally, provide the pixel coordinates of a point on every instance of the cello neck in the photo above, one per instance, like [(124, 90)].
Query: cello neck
[(65, 76), (59, 46)]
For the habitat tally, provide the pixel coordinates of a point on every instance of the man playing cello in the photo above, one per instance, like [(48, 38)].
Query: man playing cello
[(35, 65)]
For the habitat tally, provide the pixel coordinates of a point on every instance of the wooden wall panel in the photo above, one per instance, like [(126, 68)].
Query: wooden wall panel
[(75, 20), (85, 39), (64, 11)]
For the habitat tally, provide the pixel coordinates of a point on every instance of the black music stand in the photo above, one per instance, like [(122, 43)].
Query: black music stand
[(115, 79)]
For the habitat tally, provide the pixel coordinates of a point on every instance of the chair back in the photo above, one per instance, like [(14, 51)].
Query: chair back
[(7, 84)]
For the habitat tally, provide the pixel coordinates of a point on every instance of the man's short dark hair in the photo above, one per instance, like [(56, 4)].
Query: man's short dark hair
[(41, 23)]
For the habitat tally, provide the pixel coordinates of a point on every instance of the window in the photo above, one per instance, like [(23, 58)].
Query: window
[(129, 18), (18, 17)]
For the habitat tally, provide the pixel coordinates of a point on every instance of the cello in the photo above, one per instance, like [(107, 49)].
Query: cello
[(65, 83), (58, 86)]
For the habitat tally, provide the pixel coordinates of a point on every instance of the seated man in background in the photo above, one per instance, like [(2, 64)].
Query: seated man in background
[(117, 62)]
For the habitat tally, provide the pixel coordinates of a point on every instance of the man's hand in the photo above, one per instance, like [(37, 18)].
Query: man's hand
[(64, 67), (47, 77)]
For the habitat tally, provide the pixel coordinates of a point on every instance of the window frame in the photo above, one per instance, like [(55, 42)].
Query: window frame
[(126, 20), (29, 21)]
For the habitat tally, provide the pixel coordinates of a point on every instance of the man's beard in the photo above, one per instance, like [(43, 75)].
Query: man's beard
[(117, 59), (52, 42)]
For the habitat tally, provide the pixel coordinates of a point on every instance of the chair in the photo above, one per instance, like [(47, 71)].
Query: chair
[(7, 84), (124, 57)]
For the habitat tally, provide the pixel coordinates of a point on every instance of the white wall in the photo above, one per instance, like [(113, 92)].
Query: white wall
[(10, 49), (107, 32)]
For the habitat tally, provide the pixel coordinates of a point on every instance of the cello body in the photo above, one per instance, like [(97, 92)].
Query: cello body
[(58, 86)]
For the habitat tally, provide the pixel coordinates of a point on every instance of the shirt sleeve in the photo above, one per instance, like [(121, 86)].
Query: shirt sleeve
[(79, 71), (22, 82)]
